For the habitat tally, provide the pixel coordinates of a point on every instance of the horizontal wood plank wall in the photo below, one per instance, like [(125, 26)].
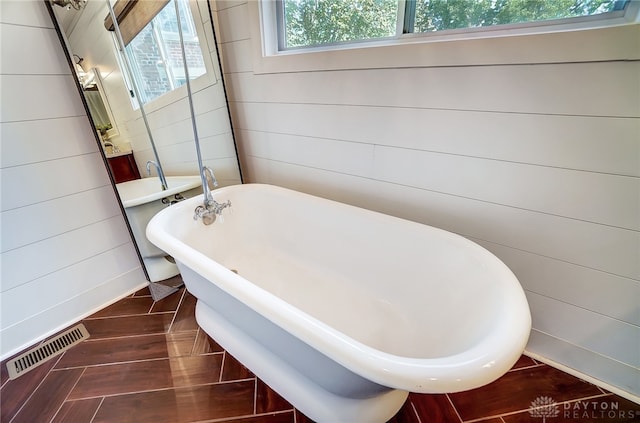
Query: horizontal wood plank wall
[(65, 247), (540, 164)]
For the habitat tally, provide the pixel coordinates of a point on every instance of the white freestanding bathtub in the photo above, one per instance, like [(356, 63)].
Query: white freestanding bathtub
[(341, 310)]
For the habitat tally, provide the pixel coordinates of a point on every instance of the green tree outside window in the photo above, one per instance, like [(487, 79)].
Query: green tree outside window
[(318, 22)]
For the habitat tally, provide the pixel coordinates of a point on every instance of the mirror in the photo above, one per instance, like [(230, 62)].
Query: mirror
[(137, 144), (99, 109)]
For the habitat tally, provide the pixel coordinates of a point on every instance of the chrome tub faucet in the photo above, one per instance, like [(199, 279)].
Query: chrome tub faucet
[(210, 209), (163, 180)]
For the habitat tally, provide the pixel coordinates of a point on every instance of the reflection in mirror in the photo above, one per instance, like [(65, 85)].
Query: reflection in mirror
[(132, 72), (128, 146), (99, 108)]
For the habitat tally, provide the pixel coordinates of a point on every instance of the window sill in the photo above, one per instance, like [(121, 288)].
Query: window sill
[(616, 39)]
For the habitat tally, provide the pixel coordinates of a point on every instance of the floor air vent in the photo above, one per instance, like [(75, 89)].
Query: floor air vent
[(42, 353)]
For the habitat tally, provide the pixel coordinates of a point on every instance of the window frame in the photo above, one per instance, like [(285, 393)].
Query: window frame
[(533, 42), (205, 80)]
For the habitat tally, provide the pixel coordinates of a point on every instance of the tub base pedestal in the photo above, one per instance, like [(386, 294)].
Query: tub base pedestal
[(307, 396)]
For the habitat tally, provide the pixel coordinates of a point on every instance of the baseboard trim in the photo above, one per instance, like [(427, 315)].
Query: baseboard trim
[(604, 385), (69, 323)]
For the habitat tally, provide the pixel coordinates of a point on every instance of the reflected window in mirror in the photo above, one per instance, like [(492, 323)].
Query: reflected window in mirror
[(155, 56)]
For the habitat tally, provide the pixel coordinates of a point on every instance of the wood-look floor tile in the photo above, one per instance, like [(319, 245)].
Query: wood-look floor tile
[(125, 307), (169, 303), (181, 343), (494, 420), (4, 373), (185, 315), (524, 361), (301, 418), (144, 292), (282, 417), (106, 351), (48, 397), (112, 327), (15, 392), (150, 375), (434, 408), (517, 389), (629, 407), (180, 405), (77, 411), (525, 417), (406, 415), (205, 344), (147, 375), (232, 369), (268, 400)]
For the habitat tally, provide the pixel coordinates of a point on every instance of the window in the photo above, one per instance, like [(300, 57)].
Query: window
[(305, 23), (155, 55), (310, 22)]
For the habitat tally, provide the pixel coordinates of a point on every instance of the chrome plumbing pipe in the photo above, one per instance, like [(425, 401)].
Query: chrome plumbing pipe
[(203, 177)]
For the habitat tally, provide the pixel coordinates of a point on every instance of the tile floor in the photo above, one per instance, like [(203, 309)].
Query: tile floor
[(148, 361)]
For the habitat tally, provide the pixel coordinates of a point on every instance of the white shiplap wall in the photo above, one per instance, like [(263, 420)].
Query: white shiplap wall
[(539, 163), (65, 248)]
